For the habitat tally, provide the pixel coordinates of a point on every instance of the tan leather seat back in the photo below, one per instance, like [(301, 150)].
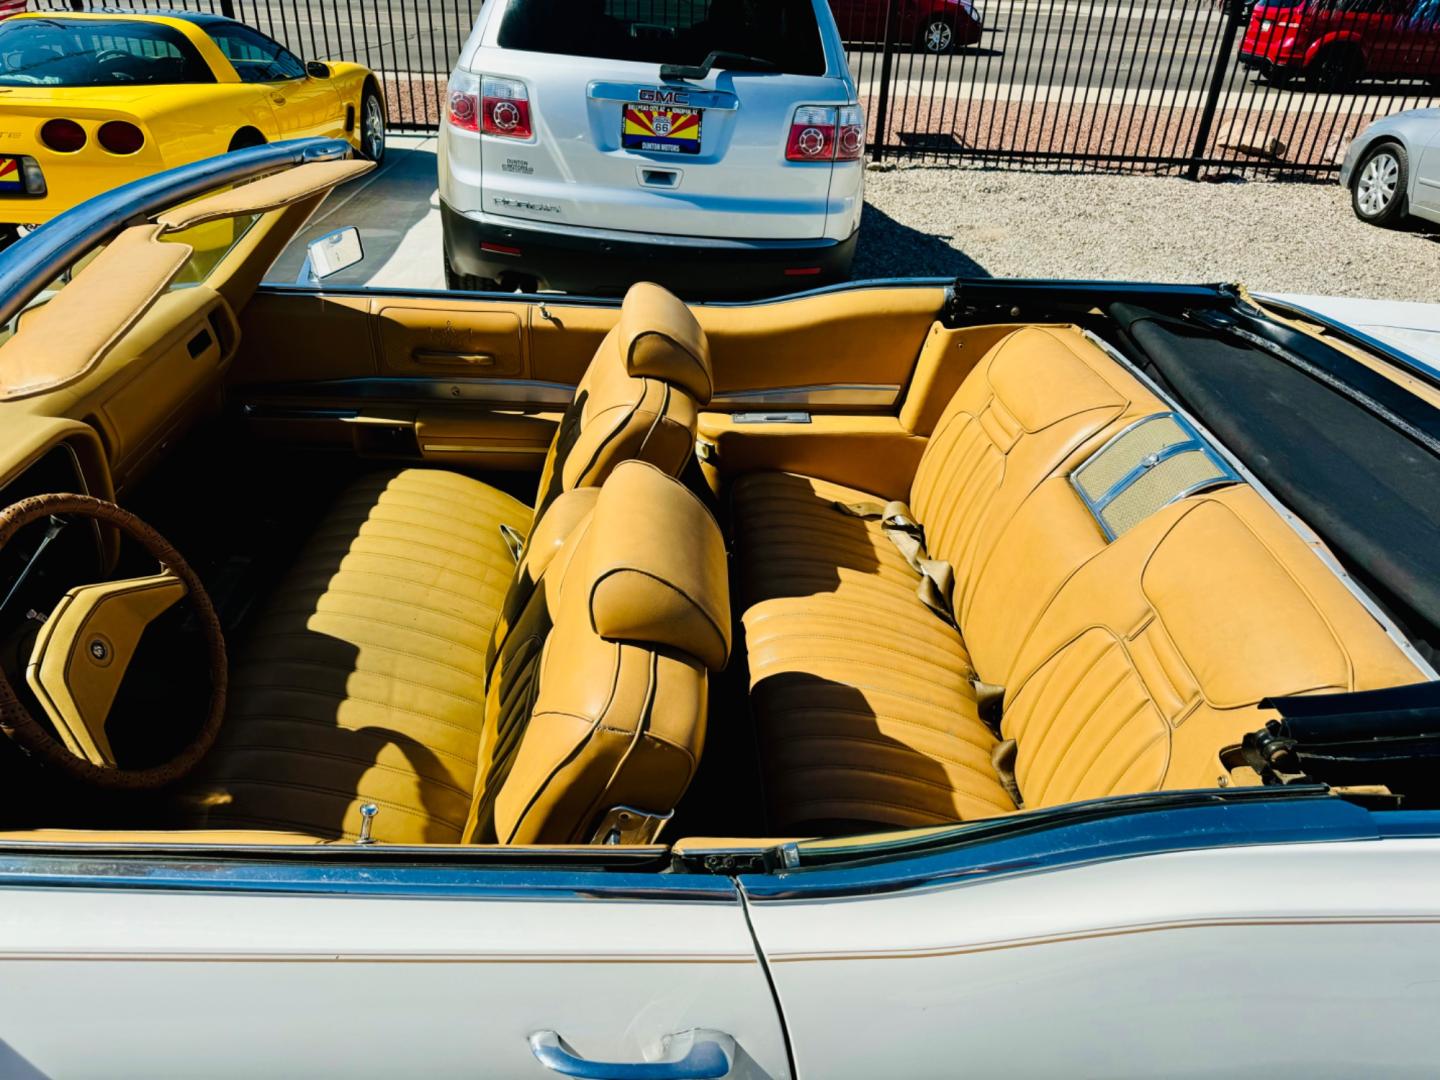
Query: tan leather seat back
[(638, 399), (992, 488), (597, 698), (1155, 655)]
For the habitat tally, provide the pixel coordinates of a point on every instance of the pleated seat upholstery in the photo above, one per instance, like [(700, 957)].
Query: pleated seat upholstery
[(364, 679), (1116, 665), (865, 699)]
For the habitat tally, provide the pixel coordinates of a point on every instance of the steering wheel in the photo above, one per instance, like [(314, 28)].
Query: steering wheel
[(85, 647)]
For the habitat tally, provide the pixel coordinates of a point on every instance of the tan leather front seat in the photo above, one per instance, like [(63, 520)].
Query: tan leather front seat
[(363, 678), (596, 699)]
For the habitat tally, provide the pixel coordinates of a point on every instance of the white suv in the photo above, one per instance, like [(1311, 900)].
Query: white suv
[(714, 146)]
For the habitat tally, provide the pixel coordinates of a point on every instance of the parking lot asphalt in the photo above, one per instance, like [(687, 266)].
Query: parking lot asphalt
[(1283, 239)]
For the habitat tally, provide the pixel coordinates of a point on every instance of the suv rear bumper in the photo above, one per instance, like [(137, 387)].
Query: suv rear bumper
[(599, 263)]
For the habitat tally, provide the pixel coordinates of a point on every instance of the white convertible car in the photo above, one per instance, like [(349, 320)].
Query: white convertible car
[(910, 678)]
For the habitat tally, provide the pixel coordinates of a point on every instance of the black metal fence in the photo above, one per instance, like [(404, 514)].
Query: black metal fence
[(1278, 86)]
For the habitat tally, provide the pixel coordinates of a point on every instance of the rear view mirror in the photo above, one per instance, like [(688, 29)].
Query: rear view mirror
[(316, 70), (330, 254)]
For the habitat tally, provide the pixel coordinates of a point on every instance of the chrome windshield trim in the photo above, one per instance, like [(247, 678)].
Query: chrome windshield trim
[(34, 261), (336, 872), (1081, 834), (856, 394), (404, 389)]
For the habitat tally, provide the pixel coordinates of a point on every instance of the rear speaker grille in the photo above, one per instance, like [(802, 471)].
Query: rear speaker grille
[(1146, 467)]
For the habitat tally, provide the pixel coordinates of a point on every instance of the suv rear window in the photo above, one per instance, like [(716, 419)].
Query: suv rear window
[(103, 52), (783, 32)]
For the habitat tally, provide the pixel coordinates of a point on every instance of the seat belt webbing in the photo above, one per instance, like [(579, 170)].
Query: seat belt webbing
[(937, 577), (1003, 758)]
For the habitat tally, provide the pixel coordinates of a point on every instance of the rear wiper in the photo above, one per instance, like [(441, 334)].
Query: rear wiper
[(720, 57)]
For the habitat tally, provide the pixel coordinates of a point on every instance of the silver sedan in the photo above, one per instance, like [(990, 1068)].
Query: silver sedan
[(1393, 168)]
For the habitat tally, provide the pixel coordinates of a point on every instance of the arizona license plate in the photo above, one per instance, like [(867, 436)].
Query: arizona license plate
[(12, 182), (665, 129)]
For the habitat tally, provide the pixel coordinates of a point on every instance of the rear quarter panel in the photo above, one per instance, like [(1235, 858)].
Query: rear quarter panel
[(1288, 960)]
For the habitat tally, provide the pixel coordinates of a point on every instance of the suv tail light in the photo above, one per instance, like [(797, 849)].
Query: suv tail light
[(850, 141), (825, 133), (505, 108), (462, 107)]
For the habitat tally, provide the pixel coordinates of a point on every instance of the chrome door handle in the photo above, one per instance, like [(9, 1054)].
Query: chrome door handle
[(689, 1055)]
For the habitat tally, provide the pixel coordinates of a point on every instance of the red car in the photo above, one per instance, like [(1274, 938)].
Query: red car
[(936, 26), (11, 7), (1334, 42)]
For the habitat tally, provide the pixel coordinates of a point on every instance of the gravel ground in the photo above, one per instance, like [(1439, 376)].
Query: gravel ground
[(1273, 236)]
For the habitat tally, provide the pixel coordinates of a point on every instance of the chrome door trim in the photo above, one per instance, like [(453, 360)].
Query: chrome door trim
[(1097, 831), (28, 266), (858, 395), (336, 871), (419, 390)]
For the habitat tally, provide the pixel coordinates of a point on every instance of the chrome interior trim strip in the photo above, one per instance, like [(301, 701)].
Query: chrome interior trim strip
[(1296, 523), (859, 395), (424, 391), (286, 288), (455, 448), (35, 261)]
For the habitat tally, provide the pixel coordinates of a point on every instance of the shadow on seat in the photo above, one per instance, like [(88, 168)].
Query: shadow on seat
[(881, 751)]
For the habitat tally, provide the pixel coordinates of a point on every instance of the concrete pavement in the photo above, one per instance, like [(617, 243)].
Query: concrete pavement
[(397, 210)]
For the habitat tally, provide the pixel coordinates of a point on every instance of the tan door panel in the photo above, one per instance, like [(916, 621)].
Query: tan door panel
[(302, 337), (451, 339), (866, 337), (505, 439), (563, 340)]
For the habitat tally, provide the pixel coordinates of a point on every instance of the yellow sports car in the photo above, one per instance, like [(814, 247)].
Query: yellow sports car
[(91, 101)]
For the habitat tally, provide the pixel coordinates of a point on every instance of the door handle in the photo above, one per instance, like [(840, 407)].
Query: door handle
[(689, 1055), (277, 97)]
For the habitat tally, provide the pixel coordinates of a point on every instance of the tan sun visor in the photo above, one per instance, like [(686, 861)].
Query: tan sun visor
[(61, 340), (266, 194)]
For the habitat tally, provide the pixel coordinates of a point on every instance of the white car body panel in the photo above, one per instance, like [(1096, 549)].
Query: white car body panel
[(1300, 960), (574, 173), (146, 983), (1427, 176)]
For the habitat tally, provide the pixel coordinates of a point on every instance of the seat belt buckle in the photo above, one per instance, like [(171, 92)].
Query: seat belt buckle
[(513, 541)]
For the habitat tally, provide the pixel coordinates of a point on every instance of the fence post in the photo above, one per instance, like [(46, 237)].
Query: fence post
[(887, 58), (1233, 9), (227, 8)]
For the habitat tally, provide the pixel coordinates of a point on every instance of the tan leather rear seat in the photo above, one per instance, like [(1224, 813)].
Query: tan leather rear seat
[(867, 702)]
